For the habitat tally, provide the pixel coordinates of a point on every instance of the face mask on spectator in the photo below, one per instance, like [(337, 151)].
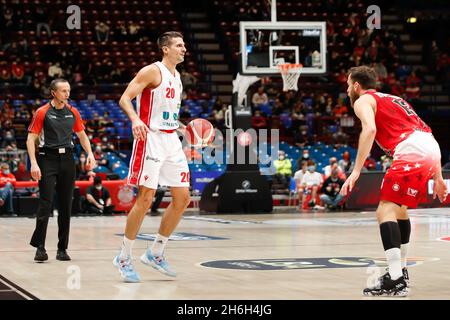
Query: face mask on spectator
[(99, 187), (306, 155), (83, 159), (311, 168), (5, 171)]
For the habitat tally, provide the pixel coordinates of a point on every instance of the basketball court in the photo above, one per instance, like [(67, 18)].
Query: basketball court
[(288, 256)]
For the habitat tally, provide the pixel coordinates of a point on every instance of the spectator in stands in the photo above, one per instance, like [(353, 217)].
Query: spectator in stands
[(386, 162), (298, 114), (260, 97), (23, 113), (100, 156), (42, 18), (283, 168), (98, 199), (301, 137), (258, 121), (341, 78), (340, 109), (298, 177), (278, 107), (305, 157), (83, 172), (5, 71), (133, 32), (330, 190), (397, 89), (107, 123), (102, 32), (311, 182), (188, 80), (8, 139), (7, 182), (381, 70), (345, 163), (18, 71), (434, 54), (7, 19), (340, 138), (22, 174), (121, 31), (329, 106), (372, 52), (333, 165), (370, 164), (55, 71), (413, 86)]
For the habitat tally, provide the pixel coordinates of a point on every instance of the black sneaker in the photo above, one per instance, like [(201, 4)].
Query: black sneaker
[(41, 254), (387, 287), (62, 255), (405, 275)]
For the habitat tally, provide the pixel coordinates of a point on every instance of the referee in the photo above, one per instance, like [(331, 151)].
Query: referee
[(52, 127)]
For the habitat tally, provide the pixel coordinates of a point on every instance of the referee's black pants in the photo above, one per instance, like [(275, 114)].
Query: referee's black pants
[(56, 169)]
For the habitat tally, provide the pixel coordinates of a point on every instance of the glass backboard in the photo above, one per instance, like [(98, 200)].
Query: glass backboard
[(266, 44)]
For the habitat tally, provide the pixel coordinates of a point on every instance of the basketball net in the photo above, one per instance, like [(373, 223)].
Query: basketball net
[(290, 72)]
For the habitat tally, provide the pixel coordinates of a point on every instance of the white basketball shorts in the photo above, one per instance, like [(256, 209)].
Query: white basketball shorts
[(159, 159)]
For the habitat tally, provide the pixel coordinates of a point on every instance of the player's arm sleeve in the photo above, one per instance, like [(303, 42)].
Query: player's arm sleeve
[(78, 125), (37, 123)]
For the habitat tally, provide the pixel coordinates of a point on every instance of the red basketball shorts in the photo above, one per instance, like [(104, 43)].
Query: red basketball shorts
[(415, 162)]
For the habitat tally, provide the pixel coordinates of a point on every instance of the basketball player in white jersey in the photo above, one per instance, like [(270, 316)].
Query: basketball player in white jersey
[(157, 153)]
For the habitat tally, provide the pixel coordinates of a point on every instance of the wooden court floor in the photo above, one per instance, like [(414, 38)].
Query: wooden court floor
[(273, 256)]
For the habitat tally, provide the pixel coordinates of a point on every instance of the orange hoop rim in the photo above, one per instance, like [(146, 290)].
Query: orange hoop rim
[(285, 67)]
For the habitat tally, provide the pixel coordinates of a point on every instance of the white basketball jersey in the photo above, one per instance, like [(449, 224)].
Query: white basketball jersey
[(158, 108)]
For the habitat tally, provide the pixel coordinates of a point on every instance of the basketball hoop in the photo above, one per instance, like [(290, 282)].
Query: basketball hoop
[(290, 73)]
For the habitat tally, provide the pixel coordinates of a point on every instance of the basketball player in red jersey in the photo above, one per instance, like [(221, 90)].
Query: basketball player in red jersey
[(157, 156), (393, 124)]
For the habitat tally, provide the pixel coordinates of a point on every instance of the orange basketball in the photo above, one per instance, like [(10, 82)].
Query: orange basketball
[(199, 133)]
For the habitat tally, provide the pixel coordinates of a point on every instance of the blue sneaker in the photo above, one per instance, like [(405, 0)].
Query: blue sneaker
[(126, 269), (158, 263)]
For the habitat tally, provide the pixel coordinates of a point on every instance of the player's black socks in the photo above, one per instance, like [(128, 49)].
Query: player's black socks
[(390, 235), (405, 230), (405, 233)]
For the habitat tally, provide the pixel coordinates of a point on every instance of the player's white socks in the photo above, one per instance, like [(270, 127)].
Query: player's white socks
[(127, 244), (404, 251), (393, 258), (158, 245)]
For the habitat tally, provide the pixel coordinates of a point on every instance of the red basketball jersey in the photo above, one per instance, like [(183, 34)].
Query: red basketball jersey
[(395, 120)]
